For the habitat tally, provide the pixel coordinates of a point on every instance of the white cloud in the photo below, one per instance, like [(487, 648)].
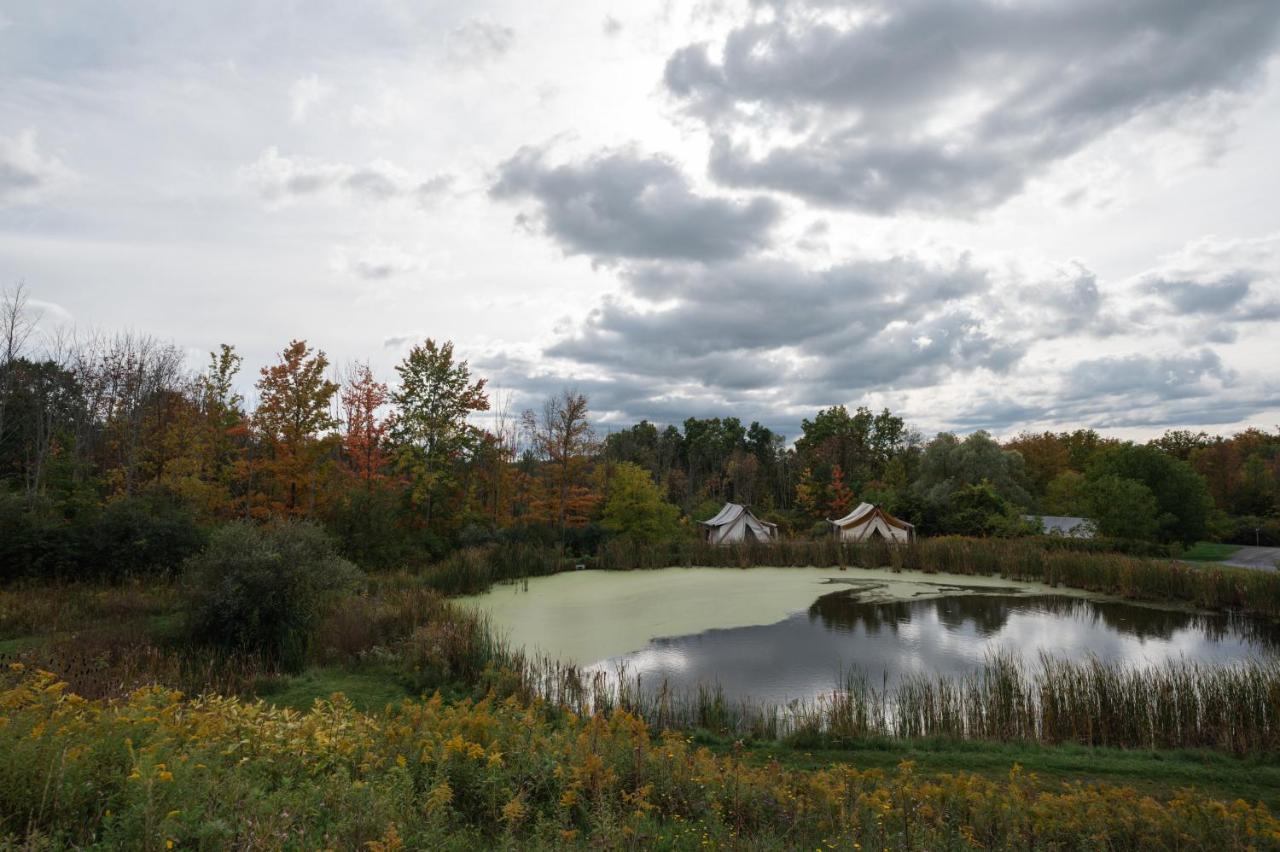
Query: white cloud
[(478, 41)]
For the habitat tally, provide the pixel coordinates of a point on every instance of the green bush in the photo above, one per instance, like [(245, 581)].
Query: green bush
[(32, 543), (152, 533), (265, 589)]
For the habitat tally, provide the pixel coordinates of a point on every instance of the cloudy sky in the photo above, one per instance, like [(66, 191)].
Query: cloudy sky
[(1002, 215)]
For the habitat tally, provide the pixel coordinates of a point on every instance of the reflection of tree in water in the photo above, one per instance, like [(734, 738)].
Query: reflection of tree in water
[(988, 614)]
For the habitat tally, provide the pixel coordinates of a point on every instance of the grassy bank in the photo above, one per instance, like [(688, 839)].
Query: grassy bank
[(160, 771)]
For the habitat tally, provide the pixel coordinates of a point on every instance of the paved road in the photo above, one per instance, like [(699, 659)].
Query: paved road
[(1263, 558)]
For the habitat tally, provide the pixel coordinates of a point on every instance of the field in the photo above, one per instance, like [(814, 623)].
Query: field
[(128, 745)]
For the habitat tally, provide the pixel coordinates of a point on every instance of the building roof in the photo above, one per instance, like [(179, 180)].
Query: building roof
[(864, 512), (730, 513)]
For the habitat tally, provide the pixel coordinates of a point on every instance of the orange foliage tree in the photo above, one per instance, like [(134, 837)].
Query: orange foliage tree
[(365, 435), (562, 437), (841, 500), (294, 419)]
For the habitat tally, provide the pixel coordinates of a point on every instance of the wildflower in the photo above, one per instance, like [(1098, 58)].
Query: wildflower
[(439, 797), (514, 811)]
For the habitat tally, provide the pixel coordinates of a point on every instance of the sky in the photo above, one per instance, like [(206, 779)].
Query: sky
[(995, 214)]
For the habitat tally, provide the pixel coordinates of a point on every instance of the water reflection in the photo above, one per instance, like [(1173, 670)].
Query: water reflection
[(987, 615), (801, 656)]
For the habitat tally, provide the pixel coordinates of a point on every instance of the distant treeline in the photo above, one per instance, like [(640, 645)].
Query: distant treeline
[(116, 459)]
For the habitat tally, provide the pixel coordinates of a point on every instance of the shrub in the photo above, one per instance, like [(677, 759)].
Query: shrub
[(152, 533), (32, 542), (366, 523), (265, 589)]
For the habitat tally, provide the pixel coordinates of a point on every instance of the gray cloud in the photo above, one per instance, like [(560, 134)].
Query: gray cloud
[(772, 333), (24, 170), (947, 107), (763, 306), (1213, 289), (281, 178), (622, 204), (1234, 297), (1163, 377)]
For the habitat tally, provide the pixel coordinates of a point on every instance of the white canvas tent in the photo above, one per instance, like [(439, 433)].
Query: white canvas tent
[(734, 524), (868, 521)]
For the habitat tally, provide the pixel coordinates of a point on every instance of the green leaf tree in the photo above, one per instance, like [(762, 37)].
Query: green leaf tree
[(1181, 494), (431, 433), (635, 508), (1122, 508)]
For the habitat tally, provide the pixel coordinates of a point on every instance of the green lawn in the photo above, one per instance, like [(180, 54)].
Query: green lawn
[(1156, 773), (1209, 551)]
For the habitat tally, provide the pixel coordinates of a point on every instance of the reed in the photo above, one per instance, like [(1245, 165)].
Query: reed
[(1091, 702)]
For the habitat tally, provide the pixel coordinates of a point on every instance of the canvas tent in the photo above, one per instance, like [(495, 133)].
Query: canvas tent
[(735, 523), (869, 521)]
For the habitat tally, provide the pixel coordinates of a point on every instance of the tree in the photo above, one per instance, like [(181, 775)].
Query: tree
[(949, 464), (841, 500), (861, 443), (1064, 496), (1121, 508), (365, 433), (431, 432), (293, 413), (16, 326), (810, 495), (1181, 443), (979, 510), (1044, 456), (562, 436), (265, 589), (1181, 494), (635, 507)]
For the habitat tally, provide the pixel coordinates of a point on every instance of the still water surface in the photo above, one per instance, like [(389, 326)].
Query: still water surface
[(820, 626)]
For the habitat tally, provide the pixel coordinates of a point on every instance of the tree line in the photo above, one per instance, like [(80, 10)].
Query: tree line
[(115, 457)]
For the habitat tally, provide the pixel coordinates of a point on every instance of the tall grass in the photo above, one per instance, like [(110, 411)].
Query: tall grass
[(1095, 703), (1132, 577)]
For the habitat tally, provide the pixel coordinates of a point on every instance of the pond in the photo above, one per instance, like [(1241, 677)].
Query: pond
[(777, 634)]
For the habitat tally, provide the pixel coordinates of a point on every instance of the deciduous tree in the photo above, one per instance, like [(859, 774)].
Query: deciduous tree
[(293, 415), (431, 432)]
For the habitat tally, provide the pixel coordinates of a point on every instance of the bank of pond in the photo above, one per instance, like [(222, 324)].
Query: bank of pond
[(808, 652)]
